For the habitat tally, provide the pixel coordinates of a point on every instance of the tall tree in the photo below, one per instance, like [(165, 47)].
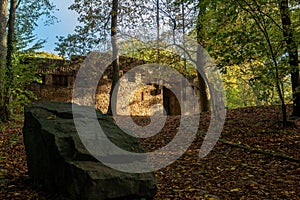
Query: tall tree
[(200, 32), (10, 40), (4, 110), (8, 18), (258, 13), (292, 50), (115, 57), (250, 34), (95, 25), (3, 22), (3, 52)]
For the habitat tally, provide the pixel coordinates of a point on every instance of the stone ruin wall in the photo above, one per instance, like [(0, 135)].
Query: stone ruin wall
[(140, 103), (59, 77)]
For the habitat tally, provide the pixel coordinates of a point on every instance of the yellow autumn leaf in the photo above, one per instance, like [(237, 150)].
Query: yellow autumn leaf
[(211, 198), (235, 190), (51, 117)]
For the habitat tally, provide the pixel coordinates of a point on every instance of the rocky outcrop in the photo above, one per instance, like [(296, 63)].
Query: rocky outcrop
[(57, 159)]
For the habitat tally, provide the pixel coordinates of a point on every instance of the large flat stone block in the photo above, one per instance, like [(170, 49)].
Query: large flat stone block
[(57, 159)]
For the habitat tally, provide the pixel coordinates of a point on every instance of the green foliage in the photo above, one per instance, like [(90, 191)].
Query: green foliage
[(94, 17), (245, 39), (16, 77), (253, 85), (24, 75), (135, 18), (76, 44), (42, 54), (295, 18), (28, 14), (166, 57)]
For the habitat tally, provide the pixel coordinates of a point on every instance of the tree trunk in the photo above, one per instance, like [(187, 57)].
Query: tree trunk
[(10, 38), (157, 31), (3, 21), (3, 40), (4, 111), (115, 63), (293, 54), (203, 96)]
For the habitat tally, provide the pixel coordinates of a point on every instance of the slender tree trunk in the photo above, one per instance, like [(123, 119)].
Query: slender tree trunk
[(183, 98), (3, 22), (293, 54), (10, 37), (157, 31), (203, 97), (6, 56), (115, 63), (3, 40), (261, 25)]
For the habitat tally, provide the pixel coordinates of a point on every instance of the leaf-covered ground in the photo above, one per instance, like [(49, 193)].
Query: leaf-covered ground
[(254, 159)]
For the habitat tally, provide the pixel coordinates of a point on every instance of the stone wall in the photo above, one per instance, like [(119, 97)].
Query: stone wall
[(58, 83)]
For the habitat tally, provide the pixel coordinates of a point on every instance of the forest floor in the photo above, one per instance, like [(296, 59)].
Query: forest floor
[(254, 159)]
